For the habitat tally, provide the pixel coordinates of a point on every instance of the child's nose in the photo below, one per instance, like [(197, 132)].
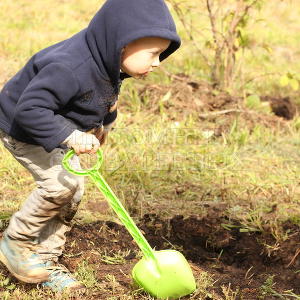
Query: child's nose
[(156, 62)]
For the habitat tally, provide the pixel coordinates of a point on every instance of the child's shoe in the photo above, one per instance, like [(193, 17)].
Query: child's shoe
[(60, 280), (21, 260)]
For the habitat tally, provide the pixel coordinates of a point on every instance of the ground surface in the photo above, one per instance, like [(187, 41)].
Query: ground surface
[(231, 256), (237, 260)]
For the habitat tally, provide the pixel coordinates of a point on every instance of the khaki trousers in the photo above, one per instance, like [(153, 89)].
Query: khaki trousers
[(46, 214)]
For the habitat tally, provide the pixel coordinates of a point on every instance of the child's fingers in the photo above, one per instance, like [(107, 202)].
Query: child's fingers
[(76, 149), (95, 144), (95, 148), (83, 142), (90, 144)]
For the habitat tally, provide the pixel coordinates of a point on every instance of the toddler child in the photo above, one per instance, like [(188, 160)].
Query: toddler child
[(65, 97)]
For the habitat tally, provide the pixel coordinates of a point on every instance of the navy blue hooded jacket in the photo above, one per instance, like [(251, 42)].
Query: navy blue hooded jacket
[(71, 85)]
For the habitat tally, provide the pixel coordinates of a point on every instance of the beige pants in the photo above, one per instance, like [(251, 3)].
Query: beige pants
[(45, 216)]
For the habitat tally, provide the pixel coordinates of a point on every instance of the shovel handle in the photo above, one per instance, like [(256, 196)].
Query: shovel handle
[(113, 201), (86, 172)]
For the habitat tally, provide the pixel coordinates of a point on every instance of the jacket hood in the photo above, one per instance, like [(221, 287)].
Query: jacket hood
[(120, 22)]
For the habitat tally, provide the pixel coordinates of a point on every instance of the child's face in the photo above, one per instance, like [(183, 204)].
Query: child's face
[(141, 56)]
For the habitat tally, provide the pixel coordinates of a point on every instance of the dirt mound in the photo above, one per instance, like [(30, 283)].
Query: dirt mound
[(282, 107), (185, 96), (251, 264), (243, 260)]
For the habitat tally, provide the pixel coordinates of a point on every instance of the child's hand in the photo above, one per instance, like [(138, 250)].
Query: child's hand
[(102, 132), (82, 142)]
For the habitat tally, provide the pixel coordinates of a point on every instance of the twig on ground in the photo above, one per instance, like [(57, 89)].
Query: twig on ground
[(221, 112), (294, 258)]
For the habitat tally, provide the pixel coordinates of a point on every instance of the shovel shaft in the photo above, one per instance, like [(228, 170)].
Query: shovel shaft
[(113, 201), (123, 215)]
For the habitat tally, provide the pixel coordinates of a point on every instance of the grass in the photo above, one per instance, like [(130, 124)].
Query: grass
[(86, 274), (269, 289), (241, 163), (149, 157)]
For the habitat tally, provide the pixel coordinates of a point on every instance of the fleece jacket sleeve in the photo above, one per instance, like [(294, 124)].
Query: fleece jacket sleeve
[(38, 107)]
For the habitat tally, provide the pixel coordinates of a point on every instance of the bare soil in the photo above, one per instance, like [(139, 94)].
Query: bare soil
[(235, 259), (240, 259)]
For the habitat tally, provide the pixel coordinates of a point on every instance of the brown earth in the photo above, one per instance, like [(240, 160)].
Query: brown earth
[(200, 99), (240, 259), (235, 259)]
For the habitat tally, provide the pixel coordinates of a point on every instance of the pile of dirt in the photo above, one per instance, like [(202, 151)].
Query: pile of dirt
[(242, 260), (185, 96), (282, 106)]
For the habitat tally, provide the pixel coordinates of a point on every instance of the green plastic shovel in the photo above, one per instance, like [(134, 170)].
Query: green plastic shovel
[(164, 274)]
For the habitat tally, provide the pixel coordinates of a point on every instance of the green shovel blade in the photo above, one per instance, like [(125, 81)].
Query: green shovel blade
[(163, 274), (174, 279)]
